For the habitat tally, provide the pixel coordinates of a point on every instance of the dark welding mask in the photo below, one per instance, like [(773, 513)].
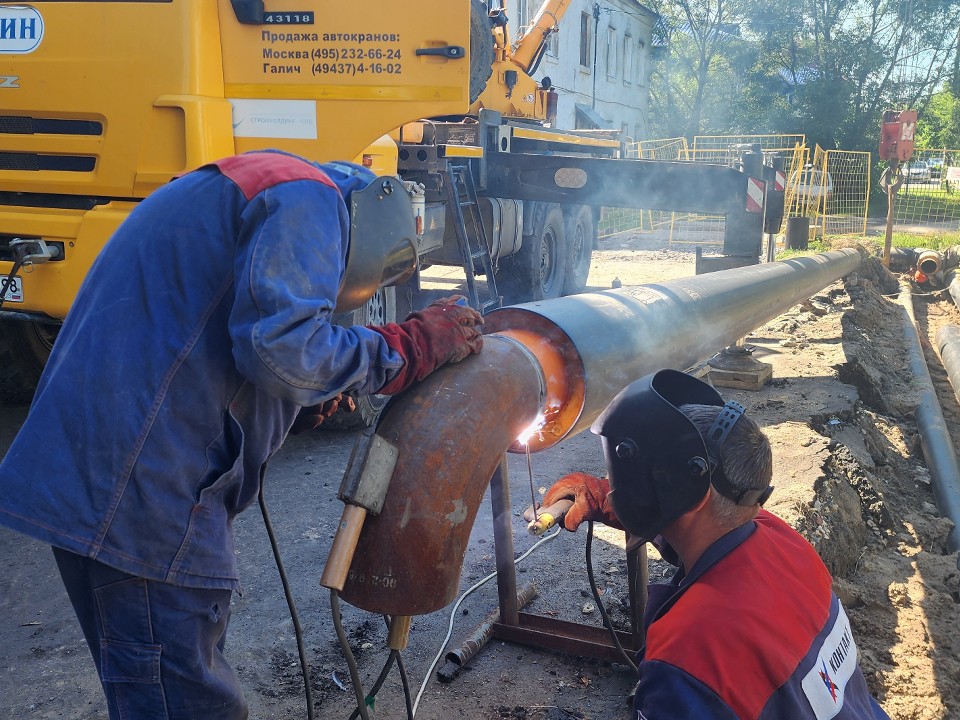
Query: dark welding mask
[(382, 248), (659, 464)]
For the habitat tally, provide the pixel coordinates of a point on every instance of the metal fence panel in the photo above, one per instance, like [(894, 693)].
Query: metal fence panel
[(832, 189), (930, 194)]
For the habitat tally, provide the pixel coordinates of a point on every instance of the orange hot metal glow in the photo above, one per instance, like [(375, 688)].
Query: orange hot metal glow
[(563, 375)]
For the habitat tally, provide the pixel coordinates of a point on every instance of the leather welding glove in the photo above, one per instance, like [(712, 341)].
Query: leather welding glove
[(444, 332), (312, 417), (590, 500)]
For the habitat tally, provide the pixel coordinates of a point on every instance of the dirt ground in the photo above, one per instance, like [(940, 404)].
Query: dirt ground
[(850, 475)]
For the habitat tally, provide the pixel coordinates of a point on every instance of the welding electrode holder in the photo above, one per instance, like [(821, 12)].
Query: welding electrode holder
[(546, 517)]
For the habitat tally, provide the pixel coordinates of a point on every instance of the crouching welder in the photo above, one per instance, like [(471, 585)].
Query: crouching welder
[(749, 626), (199, 337)]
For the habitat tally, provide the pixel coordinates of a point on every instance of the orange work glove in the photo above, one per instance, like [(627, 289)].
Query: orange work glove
[(312, 417), (444, 332), (590, 501)]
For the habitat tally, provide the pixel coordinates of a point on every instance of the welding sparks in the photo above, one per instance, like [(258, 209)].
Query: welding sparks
[(534, 427)]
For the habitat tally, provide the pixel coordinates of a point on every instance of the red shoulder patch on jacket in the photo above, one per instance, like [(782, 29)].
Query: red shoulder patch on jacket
[(255, 172), (743, 628)]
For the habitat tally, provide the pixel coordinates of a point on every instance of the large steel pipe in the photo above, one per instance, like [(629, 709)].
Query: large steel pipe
[(952, 282), (592, 345)]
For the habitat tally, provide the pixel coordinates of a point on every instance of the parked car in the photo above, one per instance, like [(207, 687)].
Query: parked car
[(917, 171), (936, 167)]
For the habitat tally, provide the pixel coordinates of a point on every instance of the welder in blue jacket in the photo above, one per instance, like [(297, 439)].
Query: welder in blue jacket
[(749, 627), (200, 335)]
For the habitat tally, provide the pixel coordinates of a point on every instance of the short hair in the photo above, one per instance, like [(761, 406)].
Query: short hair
[(745, 457)]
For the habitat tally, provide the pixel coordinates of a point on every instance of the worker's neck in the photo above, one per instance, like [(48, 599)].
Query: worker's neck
[(690, 546), (693, 533)]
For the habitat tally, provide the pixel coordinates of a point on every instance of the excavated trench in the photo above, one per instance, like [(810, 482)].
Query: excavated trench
[(869, 509), (882, 454)]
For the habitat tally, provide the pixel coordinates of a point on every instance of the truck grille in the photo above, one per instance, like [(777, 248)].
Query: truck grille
[(37, 162), (17, 125)]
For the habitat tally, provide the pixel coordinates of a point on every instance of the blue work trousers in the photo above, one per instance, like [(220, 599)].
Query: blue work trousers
[(158, 647)]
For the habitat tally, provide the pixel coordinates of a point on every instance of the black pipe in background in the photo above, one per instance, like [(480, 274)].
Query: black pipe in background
[(935, 440)]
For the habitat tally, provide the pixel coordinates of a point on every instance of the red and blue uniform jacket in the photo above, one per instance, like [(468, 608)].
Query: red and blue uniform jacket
[(201, 329), (752, 632)]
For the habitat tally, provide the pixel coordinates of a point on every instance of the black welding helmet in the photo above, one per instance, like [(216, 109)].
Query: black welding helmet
[(382, 248), (657, 460)]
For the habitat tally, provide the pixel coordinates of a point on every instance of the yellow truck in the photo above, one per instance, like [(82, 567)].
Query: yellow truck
[(103, 102)]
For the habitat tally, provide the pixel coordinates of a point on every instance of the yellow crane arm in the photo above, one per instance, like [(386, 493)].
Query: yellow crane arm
[(546, 21)]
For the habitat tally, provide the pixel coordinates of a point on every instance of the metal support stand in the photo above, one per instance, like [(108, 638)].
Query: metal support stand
[(735, 367), (546, 632)]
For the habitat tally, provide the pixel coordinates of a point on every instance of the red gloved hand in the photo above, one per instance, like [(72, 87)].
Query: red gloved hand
[(312, 417), (590, 500), (441, 333)]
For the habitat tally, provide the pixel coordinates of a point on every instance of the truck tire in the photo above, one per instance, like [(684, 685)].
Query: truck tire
[(536, 270), (581, 236), (24, 350), (481, 49), (381, 309)]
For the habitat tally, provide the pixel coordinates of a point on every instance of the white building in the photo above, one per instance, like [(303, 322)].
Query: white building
[(598, 62)]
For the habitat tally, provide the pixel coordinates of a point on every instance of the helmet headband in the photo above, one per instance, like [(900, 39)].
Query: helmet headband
[(715, 438)]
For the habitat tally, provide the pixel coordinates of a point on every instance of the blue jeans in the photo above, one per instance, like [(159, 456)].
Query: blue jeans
[(158, 647)]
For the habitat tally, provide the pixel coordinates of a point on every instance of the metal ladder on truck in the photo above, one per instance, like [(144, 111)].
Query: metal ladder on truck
[(462, 194)]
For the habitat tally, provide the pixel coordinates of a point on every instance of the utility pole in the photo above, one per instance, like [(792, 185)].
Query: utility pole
[(596, 28)]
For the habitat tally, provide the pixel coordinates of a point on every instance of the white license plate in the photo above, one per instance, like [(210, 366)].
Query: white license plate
[(14, 291)]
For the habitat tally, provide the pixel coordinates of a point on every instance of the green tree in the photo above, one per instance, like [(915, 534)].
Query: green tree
[(687, 87), (939, 125), (825, 68)]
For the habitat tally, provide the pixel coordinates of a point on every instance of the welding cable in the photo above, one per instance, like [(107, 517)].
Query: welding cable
[(348, 653), (453, 614), (406, 686), (372, 695), (596, 596), (294, 616)]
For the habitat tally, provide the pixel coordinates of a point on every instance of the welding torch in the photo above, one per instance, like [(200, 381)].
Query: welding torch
[(544, 518)]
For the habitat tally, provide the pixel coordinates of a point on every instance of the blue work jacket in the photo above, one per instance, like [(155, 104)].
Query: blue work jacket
[(201, 329)]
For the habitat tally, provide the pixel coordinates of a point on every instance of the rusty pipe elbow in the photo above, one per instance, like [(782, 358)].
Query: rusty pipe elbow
[(408, 557)]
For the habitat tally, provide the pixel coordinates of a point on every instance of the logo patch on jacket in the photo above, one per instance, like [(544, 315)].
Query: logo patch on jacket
[(836, 662)]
